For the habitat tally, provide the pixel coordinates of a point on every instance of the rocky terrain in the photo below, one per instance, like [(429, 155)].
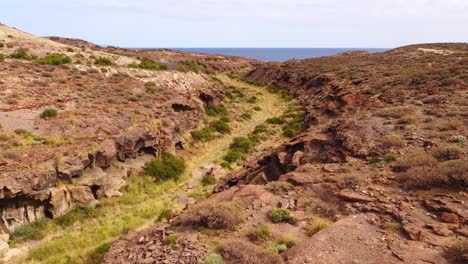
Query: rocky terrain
[(378, 174), (69, 112)]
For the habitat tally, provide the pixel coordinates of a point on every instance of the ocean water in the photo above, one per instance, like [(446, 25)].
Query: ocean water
[(277, 54)]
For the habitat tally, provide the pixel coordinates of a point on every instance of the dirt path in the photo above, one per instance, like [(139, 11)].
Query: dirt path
[(137, 209)]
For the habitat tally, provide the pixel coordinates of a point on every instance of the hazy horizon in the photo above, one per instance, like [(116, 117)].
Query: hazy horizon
[(243, 23)]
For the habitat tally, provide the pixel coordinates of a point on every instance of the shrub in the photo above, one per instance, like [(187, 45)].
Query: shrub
[(395, 112), (391, 157), (286, 240), (70, 50), (204, 134), (225, 165), (213, 215), (151, 89), (457, 139), (252, 99), (257, 108), (215, 110), (393, 140), (260, 129), (458, 252), (453, 172), (278, 248), (242, 144), (191, 66), (414, 159), (171, 240), (280, 215), (2, 57), (237, 251), (103, 61), (208, 180), (182, 68), (2, 44), (246, 116), (234, 155), (167, 167), (31, 231), (221, 127), (212, 259), (260, 233), (21, 54), (165, 215), (148, 64), (406, 120), (75, 215), (447, 153), (47, 113), (56, 59), (275, 120), (315, 225)]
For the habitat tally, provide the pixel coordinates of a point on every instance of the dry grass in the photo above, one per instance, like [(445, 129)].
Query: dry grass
[(238, 251), (395, 112), (315, 225), (415, 159), (458, 253), (213, 215)]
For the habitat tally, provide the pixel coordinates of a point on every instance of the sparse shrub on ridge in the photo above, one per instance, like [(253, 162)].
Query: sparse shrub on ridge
[(55, 59), (280, 215), (316, 225), (212, 259), (238, 251), (166, 167), (21, 54), (103, 61), (47, 113), (259, 234), (213, 215)]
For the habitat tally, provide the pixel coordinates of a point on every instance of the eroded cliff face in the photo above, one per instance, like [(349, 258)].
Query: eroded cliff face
[(379, 173)]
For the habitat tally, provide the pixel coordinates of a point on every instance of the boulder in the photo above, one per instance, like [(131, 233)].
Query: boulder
[(68, 168), (82, 196), (59, 202), (106, 153)]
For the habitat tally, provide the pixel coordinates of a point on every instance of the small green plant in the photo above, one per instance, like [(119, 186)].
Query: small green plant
[(278, 248), (148, 64), (74, 216), (226, 165), (391, 157), (164, 215), (204, 134), (151, 89), (189, 66), (208, 180), (55, 59), (221, 127), (104, 70), (21, 54), (457, 139), (217, 110), (260, 129), (171, 240), (257, 108), (96, 256), (167, 167), (2, 57), (212, 259), (103, 61), (70, 50), (275, 120), (315, 225), (406, 120), (280, 215), (31, 231), (246, 116), (48, 113), (2, 44), (260, 233)]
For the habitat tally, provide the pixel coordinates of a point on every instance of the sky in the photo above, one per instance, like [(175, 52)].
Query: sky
[(243, 23)]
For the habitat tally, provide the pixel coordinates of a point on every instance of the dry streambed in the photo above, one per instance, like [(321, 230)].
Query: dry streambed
[(74, 237)]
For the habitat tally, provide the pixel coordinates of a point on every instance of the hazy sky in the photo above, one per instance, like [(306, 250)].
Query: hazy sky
[(243, 23)]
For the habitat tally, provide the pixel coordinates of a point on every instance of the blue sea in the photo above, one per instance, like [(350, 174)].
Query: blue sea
[(277, 54)]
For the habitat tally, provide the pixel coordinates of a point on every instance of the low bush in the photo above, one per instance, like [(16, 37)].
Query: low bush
[(212, 259), (166, 167), (275, 120), (237, 251), (242, 144), (259, 234), (2, 57), (315, 225), (278, 248), (393, 140), (415, 159), (171, 240), (286, 240), (260, 129), (103, 61), (457, 139), (257, 108), (280, 215), (213, 215), (55, 59), (204, 134), (234, 155), (31, 231), (148, 64), (21, 54), (208, 180), (447, 153), (190, 66), (217, 110), (151, 89), (407, 120), (48, 113), (246, 116), (221, 127)]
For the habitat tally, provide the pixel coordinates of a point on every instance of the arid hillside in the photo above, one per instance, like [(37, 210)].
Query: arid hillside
[(378, 174), (68, 112)]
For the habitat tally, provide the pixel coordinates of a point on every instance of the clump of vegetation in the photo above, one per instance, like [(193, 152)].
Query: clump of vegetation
[(166, 167), (246, 116), (280, 215), (56, 59), (74, 216), (103, 61), (212, 259), (213, 215), (406, 120), (21, 54), (171, 240), (165, 215), (259, 234), (205, 134), (48, 113), (221, 126), (148, 64), (286, 240), (415, 159), (217, 110), (278, 248), (238, 251), (2, 57), (96, 256), (260, 129), (208, 133), (447, 153), (31, 231), (151, 89), (315, 225), (239, 149), (275, 120), (208, 180), (457, 139), (189, 66), (393, 140)]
